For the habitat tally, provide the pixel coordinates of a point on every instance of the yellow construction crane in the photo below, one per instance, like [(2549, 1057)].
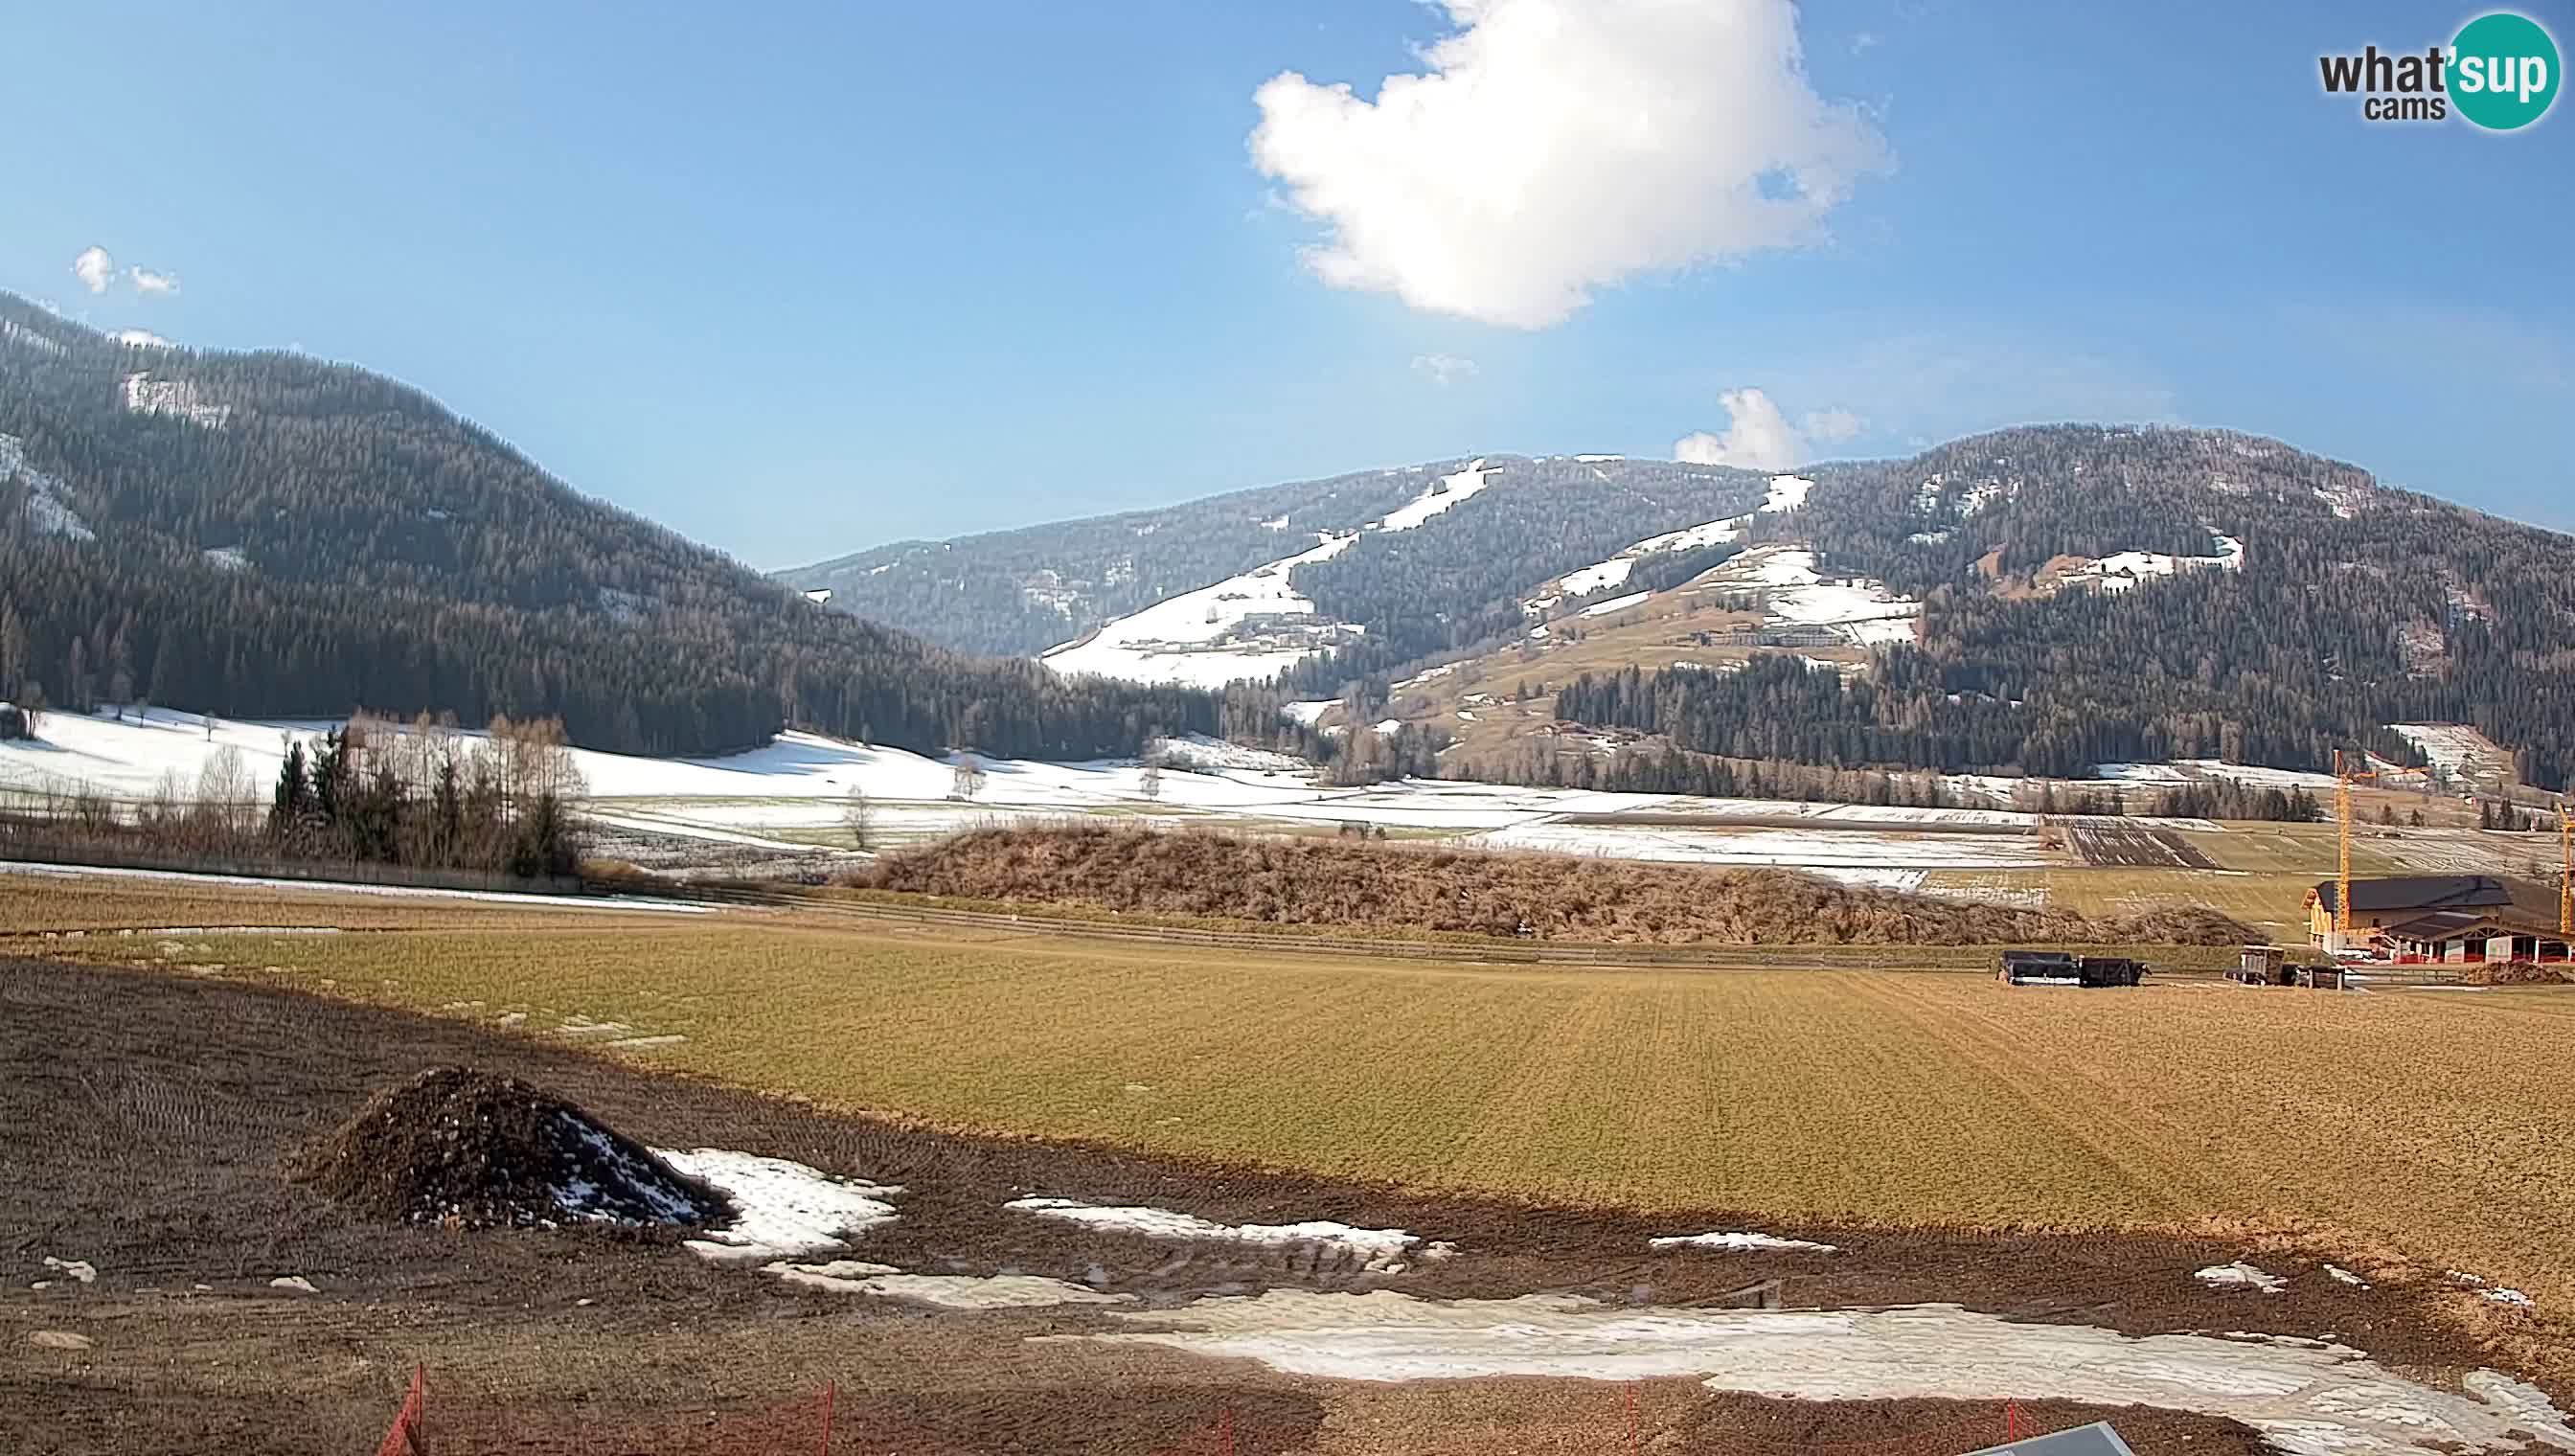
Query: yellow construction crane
[(2566, 877), (2343, 780)]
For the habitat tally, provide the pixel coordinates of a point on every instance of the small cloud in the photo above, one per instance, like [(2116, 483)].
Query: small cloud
[(1443, 368), (1758, 437), (1863, 39), (1831, 424), (138, 339), (148, 281), (94, 269)]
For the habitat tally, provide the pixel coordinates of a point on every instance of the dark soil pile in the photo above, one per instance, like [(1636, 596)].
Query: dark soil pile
[(1510, 893), (471, 1149), (2511, 973)]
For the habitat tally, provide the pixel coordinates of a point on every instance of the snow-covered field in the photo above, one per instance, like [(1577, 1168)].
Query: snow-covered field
[(2307, 1397), (1786, 848), (795, 794)]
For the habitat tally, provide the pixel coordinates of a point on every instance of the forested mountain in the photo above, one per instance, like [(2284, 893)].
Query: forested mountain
[(2083, 594), (1446, 582), (2321, 608), (1022, 591), (271, 535)]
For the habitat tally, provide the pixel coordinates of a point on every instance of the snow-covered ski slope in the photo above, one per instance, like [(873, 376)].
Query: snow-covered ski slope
[(1250, 626)]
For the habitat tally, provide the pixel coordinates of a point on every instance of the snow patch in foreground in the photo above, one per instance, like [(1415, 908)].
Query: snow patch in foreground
[(1375, 1248), (1739, 1242), (955, 1291), (2324, 1400), (785, 1208), (2240, 1275)]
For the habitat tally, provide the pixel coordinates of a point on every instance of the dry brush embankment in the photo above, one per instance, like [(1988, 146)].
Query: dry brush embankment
[(1484, 892)]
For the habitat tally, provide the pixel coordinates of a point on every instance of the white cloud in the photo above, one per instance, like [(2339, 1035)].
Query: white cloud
[(94, 269), (1759, 437), (1554, 148), (1827, 426), (1443, 368), (150, 282), (138, 339)]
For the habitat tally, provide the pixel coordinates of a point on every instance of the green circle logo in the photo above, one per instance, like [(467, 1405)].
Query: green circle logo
[(2503, 71)]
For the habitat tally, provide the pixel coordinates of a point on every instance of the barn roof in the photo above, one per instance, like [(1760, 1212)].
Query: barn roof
[(2417, 893), (2096, 1439)]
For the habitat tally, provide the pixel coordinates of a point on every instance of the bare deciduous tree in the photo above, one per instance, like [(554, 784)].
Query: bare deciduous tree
[(859, 818)]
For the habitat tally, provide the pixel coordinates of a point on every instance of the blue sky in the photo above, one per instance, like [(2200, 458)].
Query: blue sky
[(805, 280)]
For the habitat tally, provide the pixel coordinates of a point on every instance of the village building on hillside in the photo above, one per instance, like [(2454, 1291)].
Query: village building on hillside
[(2445, 918), (13, 722)]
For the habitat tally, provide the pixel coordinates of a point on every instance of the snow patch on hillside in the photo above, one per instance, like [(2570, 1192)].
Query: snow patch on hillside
[(1253, 626), (1443, 495), (49, 507), (2461, 753), (229, 558), (1859, 609), (1787, 493), (1613, 573), (1616, 604), (176, 398), (2123, 571)]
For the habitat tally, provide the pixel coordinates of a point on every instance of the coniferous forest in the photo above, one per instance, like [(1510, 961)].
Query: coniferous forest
[(269, 534)]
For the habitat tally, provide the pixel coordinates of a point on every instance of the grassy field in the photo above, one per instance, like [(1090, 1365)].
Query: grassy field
[(2423, 1122), (2270, 902)]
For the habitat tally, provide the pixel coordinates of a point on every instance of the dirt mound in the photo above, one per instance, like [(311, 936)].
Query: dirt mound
[(471, 1149), (1509, 894), (2512, 973)]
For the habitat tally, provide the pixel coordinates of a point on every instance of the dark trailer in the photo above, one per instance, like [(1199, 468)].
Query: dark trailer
[(2060, 969)]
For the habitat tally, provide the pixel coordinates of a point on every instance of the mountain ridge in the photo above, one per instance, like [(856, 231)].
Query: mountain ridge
[(266, 534), (2217, 591)]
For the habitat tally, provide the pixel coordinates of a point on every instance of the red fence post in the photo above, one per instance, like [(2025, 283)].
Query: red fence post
[(1631, 1417), (2011, 1420), (830, 1389), (1225, 1428)]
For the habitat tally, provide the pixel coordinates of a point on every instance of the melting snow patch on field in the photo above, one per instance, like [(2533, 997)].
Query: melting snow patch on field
[(953, 1291), (2240, 1275), (1373, 1248), (1741, 1244), (78, 1271), (2492, 1292), (2308, 1401), (785, 1208), (2343, 1275)]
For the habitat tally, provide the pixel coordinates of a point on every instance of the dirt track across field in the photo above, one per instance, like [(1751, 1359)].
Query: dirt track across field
[(151, 1114)]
